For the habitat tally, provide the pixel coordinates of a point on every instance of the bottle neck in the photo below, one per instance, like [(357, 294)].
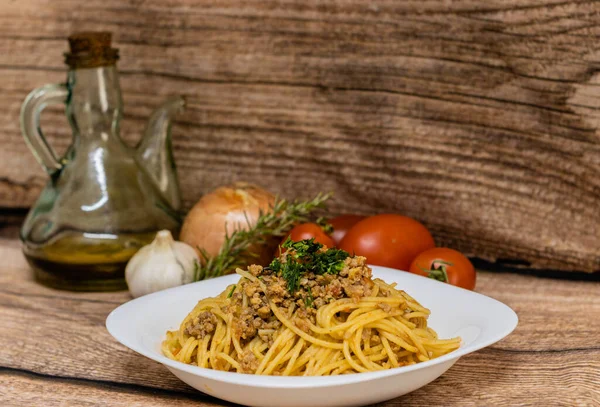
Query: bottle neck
[(94, 106)]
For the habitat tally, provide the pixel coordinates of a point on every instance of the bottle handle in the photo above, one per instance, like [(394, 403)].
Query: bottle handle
[(31, 111)]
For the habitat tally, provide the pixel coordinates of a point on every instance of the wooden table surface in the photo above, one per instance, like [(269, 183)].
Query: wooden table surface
[(55, 350)]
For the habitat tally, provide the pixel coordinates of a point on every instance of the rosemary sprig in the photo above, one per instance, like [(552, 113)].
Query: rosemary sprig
[(275, 223)]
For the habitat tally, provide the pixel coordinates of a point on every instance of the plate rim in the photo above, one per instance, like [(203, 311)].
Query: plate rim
[(296, 382)]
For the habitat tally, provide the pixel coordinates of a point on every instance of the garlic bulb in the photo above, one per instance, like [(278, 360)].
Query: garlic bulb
[(164, 263)]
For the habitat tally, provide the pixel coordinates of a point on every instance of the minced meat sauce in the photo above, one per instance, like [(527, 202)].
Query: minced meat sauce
[(314, 290)]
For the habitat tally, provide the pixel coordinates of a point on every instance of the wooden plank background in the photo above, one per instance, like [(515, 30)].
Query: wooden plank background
[(480, 118), (55, 349)]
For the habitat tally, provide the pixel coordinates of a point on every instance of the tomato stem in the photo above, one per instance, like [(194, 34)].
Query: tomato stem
[(438, 273)]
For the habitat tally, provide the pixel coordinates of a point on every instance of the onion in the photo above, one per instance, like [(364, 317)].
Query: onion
[(228, 208)]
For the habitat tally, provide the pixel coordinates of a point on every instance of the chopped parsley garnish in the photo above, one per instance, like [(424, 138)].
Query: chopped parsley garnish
[(309, 299), (232, 290), (304, 257)]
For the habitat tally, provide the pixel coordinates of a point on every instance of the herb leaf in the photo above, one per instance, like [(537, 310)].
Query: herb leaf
[(306, 256), (276, 223), (309, 299)]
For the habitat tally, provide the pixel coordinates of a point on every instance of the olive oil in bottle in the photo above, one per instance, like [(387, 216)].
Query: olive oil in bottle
[(85, 261)]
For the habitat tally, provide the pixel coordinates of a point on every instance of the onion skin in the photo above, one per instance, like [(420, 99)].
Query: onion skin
[(226, 208)]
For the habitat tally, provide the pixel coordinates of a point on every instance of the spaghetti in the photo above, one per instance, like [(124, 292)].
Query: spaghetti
[(324, 316)]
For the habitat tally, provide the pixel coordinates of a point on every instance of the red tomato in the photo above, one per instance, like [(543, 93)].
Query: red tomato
[(445, 265), (388, 240), (342, 224), (310, 230)]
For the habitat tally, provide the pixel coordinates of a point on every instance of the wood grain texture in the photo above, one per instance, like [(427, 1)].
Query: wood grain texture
[(10, 223), (552, 358), (480, 118), (19, 388)]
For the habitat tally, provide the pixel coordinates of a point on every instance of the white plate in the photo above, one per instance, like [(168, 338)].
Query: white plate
[(479, 320)]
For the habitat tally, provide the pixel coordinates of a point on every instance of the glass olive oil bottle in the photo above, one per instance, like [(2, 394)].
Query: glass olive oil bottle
[(104, 200)]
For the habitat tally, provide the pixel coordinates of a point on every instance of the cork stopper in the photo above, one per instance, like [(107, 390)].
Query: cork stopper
[(91, 50)]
